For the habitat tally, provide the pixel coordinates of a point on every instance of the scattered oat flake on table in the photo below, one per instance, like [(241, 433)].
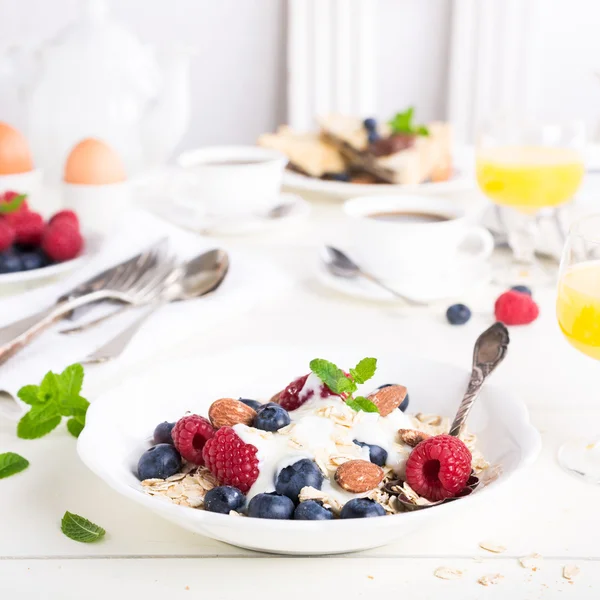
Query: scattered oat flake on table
[(571, 571), (533, 561), (492, 579), (492, 547), (370, 577), (448, 573)]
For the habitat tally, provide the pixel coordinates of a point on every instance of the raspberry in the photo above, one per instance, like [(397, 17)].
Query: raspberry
[(231, 460), (516, 308), (66, 216), (439, 467), (62, 241), (28, 226), (7, 235), (295, 394), (190, 435), (9, 195)]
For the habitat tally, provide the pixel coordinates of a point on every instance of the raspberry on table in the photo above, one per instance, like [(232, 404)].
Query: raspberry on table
[(439, 467), (516, 308), (62, 241), (65, 216), (7, 235), (231, 460), (28, 227), (190, 435)]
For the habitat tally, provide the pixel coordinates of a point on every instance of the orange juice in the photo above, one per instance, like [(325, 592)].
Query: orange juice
[(529, 177), (578, 307)]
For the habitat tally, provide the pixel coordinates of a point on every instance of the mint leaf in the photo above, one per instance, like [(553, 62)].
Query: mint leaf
[(362, 403), (11, 464), (12, 205), (75, 426), (422, 130), (332, 376), (49, 388), (73, 407), (71, 380), (80, 529), (402, 123), (39, 421), (364, 370), (29, 394)]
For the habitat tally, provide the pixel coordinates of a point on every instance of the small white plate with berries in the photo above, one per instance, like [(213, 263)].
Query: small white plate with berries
[(234, 459), (34, 249)]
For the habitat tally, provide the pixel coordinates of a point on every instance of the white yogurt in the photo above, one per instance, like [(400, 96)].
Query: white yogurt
[(320, 429)]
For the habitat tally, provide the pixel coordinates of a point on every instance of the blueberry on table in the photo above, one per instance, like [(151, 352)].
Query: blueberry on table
[(521, 288), (311, 510), (293, 478), (162, 433), (377, 455), (224, 499), (458, 314), (271, 417), (270, 506), (361, 508), (370, 124), (159, 462), (33, 260), (10, 262), (253, 404)]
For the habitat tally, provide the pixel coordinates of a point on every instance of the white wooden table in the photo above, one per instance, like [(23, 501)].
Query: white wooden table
[(543, 511)]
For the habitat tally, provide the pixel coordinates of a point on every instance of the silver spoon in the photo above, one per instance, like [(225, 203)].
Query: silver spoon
[(200, 276), (338, 263)]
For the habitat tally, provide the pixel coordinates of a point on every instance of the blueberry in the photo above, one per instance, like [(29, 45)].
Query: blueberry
[(377, 454), (224, 499), (162, 433), (10, 262), (361, 508), (293, 478), (373, 137), (271, 418), (253, 404), (404, 404), (337, 176), (33, 260), (159, 462), (370, 124), (270, 506), (521, 288), (311, 510), (458, 314)]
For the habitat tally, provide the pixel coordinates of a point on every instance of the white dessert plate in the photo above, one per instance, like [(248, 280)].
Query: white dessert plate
[(122, 420), (91, 248)]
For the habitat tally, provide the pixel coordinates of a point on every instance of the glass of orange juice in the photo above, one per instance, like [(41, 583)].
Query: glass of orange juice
[(523, 168), (578, 314)]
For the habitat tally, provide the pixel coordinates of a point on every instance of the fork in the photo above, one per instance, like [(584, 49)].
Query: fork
[(145, 289)]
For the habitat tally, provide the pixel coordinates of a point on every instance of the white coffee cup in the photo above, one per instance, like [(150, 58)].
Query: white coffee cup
[(231, 181), (421, 236)]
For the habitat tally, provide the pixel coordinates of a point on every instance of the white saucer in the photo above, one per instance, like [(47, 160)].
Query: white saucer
[(464, 278), (189, 218)]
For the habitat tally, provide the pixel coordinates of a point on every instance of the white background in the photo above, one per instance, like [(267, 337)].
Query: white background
[(239, 70)]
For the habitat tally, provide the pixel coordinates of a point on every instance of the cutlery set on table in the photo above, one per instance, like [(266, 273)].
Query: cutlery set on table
[(153, 278)]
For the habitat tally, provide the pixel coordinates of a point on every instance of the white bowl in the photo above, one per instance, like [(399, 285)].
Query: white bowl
[(122, 420)]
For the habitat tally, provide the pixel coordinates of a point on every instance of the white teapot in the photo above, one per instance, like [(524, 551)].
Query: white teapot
[(96, 79)]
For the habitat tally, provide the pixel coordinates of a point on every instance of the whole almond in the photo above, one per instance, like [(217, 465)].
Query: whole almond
[(412, 437), (358, 476), (228, 412), (388, 399)]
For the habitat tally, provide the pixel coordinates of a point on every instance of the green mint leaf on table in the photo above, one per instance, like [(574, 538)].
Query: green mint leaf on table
[(79, 529), (362, 403), (402, 123), (12, 205), (332, 376), (56, 397), (11, 464), (364, 370)]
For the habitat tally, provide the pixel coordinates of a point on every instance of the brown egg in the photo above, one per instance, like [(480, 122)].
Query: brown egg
[(93, 162), (15, 156)]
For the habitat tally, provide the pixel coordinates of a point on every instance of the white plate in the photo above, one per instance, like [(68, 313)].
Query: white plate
[(343, 189), (90, 249), (189, 218), (443, 286), (122, 420)]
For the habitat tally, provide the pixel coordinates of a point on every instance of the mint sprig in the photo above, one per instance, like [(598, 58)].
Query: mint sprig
[(57, 396), (402, 122), (340, 383), (80, 529), (12, 205), (11, 464)]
